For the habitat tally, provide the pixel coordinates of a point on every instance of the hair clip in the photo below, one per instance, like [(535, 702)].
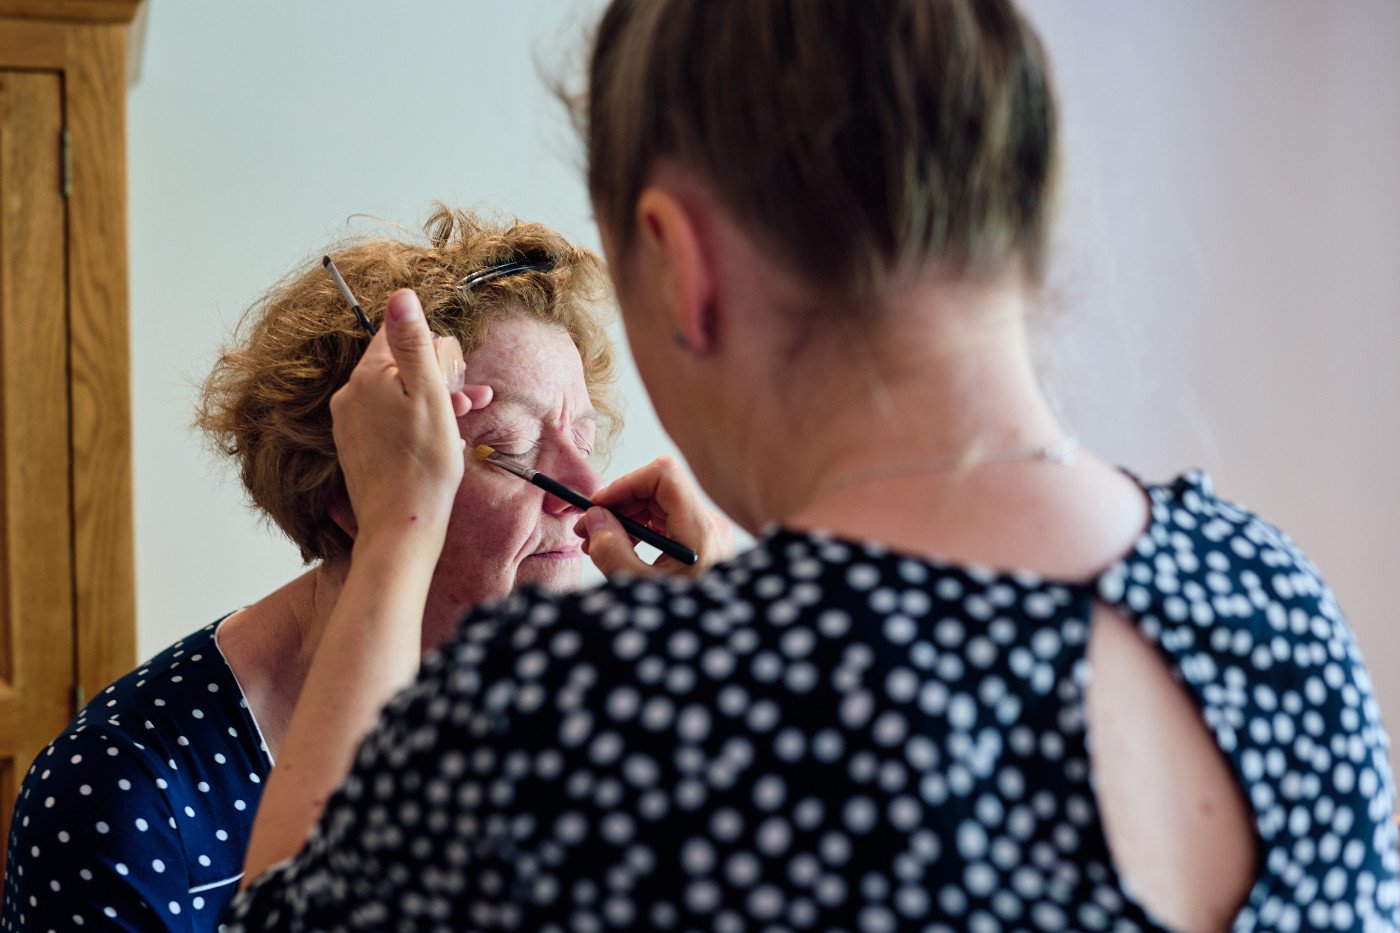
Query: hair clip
[(513, 267)]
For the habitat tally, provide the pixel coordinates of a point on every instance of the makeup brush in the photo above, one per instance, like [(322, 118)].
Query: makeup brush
[(487, 454), (448, 351), (349, 295)]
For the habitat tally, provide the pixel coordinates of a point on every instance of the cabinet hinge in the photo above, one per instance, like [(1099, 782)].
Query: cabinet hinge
[(67, 164)]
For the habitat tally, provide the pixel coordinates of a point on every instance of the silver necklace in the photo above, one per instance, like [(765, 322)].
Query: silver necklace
[(1059, 453)]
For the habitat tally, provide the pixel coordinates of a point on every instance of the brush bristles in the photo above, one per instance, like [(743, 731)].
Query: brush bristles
[(483, 451)]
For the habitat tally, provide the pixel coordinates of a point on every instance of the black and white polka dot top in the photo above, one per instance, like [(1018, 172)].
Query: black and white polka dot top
[(137, 816), (825, 735)]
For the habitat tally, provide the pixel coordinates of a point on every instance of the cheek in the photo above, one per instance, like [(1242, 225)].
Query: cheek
[(490, 526), (495, 515)]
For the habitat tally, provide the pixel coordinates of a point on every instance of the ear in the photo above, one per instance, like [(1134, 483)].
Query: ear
[(343, 515), (670, 231)]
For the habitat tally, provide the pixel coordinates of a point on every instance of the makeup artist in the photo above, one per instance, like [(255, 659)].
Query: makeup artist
[(138, 815), (827, 224)]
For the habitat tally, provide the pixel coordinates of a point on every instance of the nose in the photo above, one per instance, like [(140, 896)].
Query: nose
[(570, 466)]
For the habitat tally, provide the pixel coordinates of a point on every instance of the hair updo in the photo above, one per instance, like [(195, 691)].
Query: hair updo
[(859, 140)]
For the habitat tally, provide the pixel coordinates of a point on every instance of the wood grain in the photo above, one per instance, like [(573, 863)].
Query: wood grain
[(83, 549), (99, 357), (32, 44), (78, 11), (36, 565)]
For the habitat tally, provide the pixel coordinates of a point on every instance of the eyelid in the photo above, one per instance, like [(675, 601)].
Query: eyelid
[(502, 444), (582, 433)]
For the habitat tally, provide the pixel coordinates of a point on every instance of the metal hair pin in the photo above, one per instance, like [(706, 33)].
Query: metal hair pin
[(481, 276)]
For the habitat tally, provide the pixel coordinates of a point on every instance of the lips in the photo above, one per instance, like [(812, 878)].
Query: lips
[(561, 552)]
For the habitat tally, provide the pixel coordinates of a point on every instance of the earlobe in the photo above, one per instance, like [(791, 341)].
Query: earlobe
[(675, 239), (340, 512)]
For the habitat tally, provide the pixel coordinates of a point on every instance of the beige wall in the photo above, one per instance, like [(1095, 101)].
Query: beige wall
[(1228, 294)]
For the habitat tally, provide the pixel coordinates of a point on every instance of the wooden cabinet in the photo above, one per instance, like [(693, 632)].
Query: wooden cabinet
[(67, 583)]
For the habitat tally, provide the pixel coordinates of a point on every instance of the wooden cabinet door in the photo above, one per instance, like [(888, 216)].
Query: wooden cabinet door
[(37, 654)]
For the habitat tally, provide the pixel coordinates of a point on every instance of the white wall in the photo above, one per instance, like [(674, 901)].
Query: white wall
[(1231, 298), (1229, 294)]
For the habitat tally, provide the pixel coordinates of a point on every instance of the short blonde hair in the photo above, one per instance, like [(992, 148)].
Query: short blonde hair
[(266, 404)]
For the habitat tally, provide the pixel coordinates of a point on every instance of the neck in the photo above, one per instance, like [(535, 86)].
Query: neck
[(270, 644), (310, 605), (948, 379)]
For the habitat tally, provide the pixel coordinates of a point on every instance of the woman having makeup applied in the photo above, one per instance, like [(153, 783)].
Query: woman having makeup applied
[(138, 815), (970, 677)]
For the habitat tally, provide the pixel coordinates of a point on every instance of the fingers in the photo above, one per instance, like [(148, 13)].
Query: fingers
[(659, 491), (451, 363), (471, 398), (411, 343), (478, 395), (610, 547), (662, 496), (396, 438)]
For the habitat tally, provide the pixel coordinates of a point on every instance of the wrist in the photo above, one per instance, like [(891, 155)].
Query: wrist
[(405, 543)]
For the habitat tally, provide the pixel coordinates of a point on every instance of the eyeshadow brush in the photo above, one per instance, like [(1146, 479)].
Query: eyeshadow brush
[(665, 545)]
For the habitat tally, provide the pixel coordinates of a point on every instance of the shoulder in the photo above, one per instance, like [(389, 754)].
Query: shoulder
[(144, 800), (535, 629), (141, 743), (184, 698), (526, 664), (183, 689), (88, 784), (152, 725), (1214, 557), (541, 663), (175, 679), (89, 814)]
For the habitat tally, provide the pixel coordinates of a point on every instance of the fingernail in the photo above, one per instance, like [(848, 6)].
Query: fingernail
[(404, 306)]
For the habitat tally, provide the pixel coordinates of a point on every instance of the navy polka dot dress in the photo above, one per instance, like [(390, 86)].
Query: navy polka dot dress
[(137, 816), (825, 735)]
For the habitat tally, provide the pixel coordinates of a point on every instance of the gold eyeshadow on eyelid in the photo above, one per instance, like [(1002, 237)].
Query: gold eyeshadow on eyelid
[(503, 436)]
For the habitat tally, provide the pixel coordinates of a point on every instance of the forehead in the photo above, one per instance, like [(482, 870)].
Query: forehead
[(525, 359)]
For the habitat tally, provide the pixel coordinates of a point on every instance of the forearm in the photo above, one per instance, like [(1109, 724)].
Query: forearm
[(370, 650)]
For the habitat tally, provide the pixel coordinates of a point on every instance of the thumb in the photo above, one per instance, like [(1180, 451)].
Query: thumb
[(609, 546), (410, 340)]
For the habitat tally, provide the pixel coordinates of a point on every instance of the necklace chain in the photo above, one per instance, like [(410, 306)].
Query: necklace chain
[(1059, 453)]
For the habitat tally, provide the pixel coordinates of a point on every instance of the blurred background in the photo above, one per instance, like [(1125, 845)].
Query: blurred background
[(1226, 293)]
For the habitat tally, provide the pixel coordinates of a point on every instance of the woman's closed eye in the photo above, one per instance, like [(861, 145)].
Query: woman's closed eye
[(527, 446), (516, 451)]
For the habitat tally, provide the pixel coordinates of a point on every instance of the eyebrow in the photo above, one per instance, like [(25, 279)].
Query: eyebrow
[(533, 406)]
